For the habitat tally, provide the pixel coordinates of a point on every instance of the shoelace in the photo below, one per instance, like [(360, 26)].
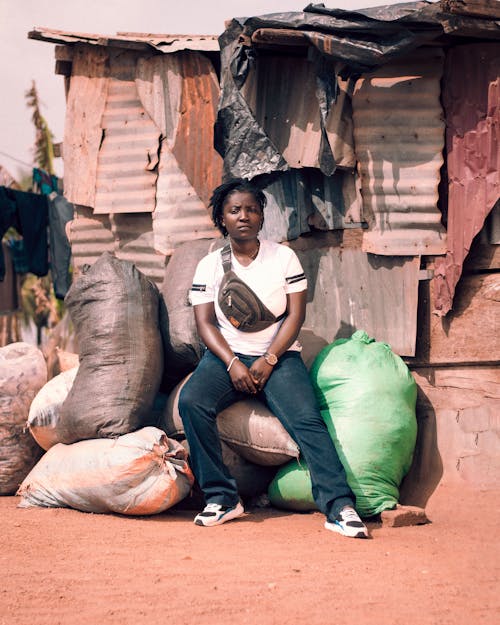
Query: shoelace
[(212, 507), (349, 514)]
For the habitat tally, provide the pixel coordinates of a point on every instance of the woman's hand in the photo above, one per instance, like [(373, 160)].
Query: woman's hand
[(260, 372), (242, 378)]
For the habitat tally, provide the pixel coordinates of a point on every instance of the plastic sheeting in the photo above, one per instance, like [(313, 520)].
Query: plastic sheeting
[(357, 41)]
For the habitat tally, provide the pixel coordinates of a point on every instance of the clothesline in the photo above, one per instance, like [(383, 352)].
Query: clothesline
[(16, 159)]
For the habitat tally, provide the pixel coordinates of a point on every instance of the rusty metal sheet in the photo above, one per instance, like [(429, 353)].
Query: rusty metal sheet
[(349, 290), (292, 122), (82, 129), (471, 96), (302, 200), (399, 138), (193, 144), (180, 92)]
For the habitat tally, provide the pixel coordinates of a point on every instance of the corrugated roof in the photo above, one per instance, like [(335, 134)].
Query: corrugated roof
[(135, 41)]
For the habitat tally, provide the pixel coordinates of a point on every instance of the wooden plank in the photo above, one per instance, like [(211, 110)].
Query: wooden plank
[(470, 332), (10, 329), (482, 257), (82, 131), (476, 8)]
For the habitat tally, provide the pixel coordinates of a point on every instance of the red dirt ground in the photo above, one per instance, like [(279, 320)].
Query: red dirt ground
[(61, 566)]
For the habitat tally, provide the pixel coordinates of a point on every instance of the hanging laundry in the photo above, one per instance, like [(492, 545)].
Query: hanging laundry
[(43, 182), (60, 212), (9, 291), (18, 253), (28, 214)]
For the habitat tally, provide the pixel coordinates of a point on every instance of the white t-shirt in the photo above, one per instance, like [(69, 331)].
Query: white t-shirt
[(275, 272)]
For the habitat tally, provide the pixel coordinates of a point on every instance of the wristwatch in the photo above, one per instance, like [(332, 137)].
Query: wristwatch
[(271, 359)]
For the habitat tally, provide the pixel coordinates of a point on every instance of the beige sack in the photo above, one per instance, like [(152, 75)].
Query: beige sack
[(247, 426)]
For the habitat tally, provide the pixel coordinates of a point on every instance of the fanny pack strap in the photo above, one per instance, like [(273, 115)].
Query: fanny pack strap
[(227, 266), (226, 258)]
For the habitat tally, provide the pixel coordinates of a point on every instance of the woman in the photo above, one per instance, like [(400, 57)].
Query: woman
[(265, 363)]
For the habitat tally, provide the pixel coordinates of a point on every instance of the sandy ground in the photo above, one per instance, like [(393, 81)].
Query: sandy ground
[(270, 567)]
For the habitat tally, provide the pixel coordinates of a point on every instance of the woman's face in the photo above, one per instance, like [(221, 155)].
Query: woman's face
[(242, 216)]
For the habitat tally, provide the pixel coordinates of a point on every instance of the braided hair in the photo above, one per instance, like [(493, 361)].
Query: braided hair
[(222, 193)]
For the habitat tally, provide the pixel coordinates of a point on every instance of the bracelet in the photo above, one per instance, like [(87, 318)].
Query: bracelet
[(231, 363)]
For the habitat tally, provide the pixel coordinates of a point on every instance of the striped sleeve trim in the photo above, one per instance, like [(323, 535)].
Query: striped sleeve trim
[(296, 278), (199, 287)]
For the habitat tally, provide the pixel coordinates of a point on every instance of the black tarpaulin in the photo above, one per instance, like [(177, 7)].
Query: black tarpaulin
[(353, 42)]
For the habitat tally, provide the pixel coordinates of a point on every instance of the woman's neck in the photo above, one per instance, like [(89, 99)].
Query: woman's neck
[(245, 251)]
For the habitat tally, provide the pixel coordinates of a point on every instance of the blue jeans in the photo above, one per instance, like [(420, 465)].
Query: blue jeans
[(290, 396)]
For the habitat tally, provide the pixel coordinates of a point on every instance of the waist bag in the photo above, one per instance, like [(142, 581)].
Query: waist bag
[(242, 307)]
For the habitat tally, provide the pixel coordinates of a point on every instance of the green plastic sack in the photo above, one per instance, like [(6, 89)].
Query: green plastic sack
[(291, 487), (367, 398)]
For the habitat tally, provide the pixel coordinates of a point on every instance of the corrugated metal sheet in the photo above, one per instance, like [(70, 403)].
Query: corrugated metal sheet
[(193, 137), (180, 215), (136, 41), (134, 242), (349, 290), (129, 237), (471, 96), (275, 90), (89, 236), (399, 138), (152, 147), (128, 156), (304, 199), (180, 92)]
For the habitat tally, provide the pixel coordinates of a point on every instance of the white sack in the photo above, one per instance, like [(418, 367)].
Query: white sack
[(23, 372), (43, 417)]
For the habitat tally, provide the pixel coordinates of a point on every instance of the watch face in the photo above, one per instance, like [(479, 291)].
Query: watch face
[(271, 359)]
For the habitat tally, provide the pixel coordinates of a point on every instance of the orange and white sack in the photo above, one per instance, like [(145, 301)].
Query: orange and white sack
[(143, 472)]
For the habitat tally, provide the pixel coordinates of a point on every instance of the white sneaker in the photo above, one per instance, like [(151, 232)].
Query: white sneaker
[(215, 514), (348, 524)]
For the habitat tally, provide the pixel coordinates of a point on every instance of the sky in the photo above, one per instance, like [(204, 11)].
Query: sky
[(25, 60)]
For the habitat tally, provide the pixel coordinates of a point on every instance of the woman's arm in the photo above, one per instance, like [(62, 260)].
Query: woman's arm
[(206, 324), (288, 332)]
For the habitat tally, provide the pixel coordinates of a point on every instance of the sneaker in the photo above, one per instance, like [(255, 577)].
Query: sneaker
[(215, 514), (348, 523)]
